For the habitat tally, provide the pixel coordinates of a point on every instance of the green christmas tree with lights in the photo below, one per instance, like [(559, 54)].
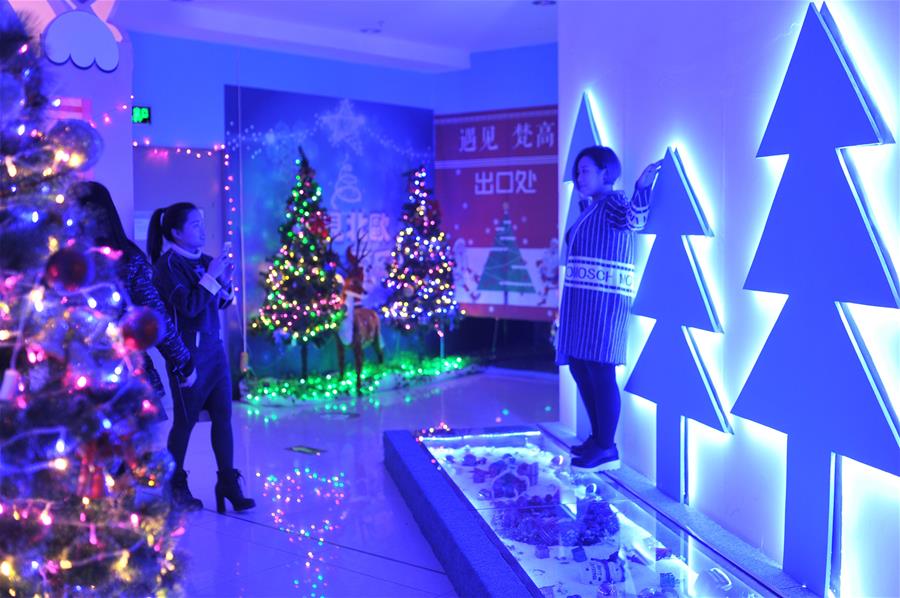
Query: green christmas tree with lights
[(80, 507), (303, 300), (420, 271)]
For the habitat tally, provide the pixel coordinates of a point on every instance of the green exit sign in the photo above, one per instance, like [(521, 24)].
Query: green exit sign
[(140, 115)]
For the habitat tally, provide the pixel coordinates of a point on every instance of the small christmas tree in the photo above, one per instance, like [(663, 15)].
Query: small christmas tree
[(77, 461), (505, 269), (304, 294), (420, 272)]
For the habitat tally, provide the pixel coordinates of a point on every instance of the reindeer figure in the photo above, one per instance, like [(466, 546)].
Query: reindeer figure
[(361, 326)]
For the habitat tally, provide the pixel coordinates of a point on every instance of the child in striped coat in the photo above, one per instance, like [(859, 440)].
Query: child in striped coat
[(598, 251)]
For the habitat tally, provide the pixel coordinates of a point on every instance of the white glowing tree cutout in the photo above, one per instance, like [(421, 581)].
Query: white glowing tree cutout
[(814, 379), (585, 134), (673, 291)]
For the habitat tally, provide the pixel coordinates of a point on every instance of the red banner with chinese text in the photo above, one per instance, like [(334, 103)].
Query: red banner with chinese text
[(496, 179)]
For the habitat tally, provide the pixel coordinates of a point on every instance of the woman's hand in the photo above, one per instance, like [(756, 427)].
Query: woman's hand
[(218, 266), (649, 174), (190, 380), (229, 271)]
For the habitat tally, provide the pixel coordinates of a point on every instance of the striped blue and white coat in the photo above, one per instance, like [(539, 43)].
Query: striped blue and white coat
[(599, 285)]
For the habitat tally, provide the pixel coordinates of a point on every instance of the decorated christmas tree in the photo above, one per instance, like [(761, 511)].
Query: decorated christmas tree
[(303, 299), (505, 269), (420, 272), (80, 507)]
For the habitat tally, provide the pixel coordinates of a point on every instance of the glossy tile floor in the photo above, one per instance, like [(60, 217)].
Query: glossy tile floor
[(334, 524)]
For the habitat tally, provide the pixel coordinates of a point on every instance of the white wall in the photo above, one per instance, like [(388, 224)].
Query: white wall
[(706, 75), (183, 81)]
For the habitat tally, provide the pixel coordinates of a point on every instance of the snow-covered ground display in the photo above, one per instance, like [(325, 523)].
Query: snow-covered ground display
[(576, 534)]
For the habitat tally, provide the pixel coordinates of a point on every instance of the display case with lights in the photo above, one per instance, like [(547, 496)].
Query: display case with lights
[(559, 532)]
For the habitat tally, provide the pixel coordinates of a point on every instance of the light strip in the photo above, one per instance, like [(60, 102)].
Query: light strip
[(701, 367), (871, 373), (857, 190), (598, 125), (701, 284), (872, 113), (480, 435)]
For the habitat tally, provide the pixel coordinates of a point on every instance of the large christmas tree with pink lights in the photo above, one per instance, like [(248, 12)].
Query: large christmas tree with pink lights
[(80, 505)]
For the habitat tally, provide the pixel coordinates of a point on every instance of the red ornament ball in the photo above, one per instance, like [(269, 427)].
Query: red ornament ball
[(408, 291), (142, 328), (69, 268)]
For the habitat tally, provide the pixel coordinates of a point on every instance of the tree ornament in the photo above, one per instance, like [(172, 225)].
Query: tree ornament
[(318, 224), (142, 328), (91, 481), (10, 385), (83, 144), (69, 268)]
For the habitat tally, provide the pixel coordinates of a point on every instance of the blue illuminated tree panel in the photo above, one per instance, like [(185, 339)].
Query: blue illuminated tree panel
[(670, 370), (818, 241), (584, 135), (814, 379)]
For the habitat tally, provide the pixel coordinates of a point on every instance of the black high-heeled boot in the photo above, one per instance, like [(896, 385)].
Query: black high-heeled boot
[(180, 494), (228, 487)]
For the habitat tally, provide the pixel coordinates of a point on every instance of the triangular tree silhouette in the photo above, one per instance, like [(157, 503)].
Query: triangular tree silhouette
[(670, 371), (583, 135), (813, 379)]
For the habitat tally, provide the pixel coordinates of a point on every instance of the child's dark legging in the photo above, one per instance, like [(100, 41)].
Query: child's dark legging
[(600, 393), (211, 391)]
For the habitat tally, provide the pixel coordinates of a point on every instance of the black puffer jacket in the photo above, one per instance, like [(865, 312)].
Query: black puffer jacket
[(137, 276), (194, 298)]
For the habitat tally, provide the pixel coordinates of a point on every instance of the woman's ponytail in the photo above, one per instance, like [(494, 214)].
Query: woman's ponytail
[(155, 235)]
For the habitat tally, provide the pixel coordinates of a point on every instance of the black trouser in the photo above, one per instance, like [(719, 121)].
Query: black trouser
[(600, 393), (211, 391)]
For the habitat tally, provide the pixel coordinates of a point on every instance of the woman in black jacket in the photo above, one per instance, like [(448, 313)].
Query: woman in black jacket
[(136, 274), (195, 287)]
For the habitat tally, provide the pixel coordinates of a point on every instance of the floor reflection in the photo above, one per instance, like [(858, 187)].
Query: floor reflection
[(329, 520)]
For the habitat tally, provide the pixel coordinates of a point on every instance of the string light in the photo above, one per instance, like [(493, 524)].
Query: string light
[(304, 299), (334, 393), (420, 274), (217, 153), (74, 431)]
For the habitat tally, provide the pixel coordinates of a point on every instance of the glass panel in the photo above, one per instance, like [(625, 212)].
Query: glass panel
[(577, 534)]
